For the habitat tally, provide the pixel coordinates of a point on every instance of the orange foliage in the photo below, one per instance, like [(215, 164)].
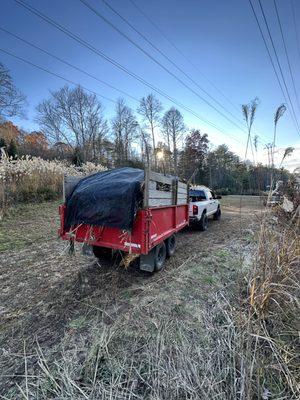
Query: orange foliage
[(9, 132), (36, 140)]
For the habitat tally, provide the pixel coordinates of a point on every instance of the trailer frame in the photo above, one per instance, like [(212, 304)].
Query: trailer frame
[(164, 213)]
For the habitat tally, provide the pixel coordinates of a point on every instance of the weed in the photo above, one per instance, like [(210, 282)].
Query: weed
[(77, 323), (208, 279)]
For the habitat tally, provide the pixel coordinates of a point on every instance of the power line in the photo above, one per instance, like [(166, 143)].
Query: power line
[(116, 64), (287, 55), (266, 46), (55, 74), (271, 59), (66, 63), (295, 26), (279, 65), (165, 56), (182, 54), (99, 15)]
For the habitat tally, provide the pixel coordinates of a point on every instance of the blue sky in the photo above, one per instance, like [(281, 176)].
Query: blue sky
[(221, 38)]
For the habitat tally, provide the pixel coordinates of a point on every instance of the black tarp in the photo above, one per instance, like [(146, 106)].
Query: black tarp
[(109, 198)]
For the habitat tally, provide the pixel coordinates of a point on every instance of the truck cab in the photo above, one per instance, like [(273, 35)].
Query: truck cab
[(203, 203)]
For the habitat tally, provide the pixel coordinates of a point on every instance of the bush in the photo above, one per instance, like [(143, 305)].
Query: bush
[(34, 179), (274, 309), (27, 195), (223, 191), (228, 191)]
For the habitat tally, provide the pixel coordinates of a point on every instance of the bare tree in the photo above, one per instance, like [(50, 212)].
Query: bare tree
[(145, 146), (166, 132), (125, 131), (52, 123), (150, 108), (172, 123), (11, 100), (76, 117)]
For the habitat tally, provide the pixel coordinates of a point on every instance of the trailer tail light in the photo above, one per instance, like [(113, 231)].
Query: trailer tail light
[(195, 210)]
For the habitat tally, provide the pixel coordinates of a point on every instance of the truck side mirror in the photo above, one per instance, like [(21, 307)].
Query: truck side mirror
[(218, 197)]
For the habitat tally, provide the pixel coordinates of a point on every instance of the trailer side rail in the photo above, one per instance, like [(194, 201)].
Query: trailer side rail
[(162, 190)]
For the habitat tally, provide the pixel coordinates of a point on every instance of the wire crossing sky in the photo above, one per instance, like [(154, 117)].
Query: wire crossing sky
[(206, 58)]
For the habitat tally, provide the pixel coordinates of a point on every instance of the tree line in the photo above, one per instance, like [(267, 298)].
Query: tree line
[(73, 126)]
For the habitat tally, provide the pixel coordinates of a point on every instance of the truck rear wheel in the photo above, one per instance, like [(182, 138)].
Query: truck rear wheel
[(171, 245), (203, 223), (160, 256)]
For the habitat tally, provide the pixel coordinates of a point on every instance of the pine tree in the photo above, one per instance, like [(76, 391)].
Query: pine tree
[(77, 158), (12, 149), (2, 143)]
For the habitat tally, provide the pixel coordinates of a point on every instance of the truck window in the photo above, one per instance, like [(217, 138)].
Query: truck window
[(197, 195)]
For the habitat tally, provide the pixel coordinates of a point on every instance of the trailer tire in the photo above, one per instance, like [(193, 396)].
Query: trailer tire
[(171, 245), (217, 215), (203, 223), (160, 256), (102, 252)]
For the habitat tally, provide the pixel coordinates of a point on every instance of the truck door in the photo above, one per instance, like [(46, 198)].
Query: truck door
[(212, 204)]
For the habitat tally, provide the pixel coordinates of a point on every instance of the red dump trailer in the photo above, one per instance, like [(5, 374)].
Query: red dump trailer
[(164, 212)]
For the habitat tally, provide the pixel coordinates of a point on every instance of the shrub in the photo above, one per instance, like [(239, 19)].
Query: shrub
[(29, 179), (273, 310), (223, 191)]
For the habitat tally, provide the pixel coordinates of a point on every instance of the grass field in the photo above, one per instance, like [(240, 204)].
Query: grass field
[(74, 329)]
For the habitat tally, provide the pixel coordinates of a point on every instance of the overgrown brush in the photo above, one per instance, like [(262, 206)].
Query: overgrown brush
[(35, 179), (145, 358), (238, 341), (273, 349)]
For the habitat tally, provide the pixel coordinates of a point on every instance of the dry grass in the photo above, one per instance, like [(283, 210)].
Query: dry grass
[(219, 325), (178, 339), (161, 360), (34, 179), (193, 347), (273, 311)]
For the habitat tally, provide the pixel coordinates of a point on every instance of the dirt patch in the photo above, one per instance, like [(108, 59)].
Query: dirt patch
[(46, 294)]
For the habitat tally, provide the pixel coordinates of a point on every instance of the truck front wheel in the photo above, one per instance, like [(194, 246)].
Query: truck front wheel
[(160, 256), (203, 223), (217, 214)]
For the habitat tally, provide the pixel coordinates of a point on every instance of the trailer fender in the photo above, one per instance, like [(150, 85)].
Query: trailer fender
[(147, 261)]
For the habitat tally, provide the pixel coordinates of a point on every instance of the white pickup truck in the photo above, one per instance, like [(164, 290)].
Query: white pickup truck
[(202, 204)]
